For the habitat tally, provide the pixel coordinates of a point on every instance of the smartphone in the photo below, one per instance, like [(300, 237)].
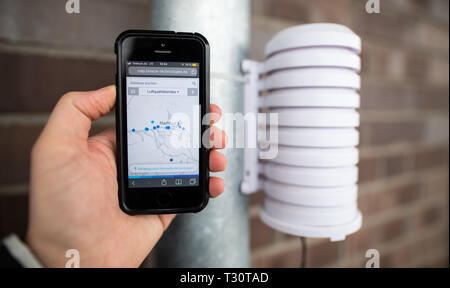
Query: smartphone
[(162, 96)]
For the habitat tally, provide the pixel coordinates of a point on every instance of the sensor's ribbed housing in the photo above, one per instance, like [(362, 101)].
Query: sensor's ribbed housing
[(311, 79)]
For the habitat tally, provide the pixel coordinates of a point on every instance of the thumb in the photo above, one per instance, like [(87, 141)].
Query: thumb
[(73, 114)]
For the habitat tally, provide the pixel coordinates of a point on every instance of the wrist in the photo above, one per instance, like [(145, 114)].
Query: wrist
[(47, 253)]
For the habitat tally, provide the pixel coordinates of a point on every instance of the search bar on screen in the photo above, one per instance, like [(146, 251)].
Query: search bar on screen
[(162, 71)]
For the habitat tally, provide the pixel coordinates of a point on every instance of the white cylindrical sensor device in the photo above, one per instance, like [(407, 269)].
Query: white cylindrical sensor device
[(310, 78)]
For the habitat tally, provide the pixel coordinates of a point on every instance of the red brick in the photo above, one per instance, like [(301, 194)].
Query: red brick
[(257, 198), (359, 242), (382, 96), (419, 4), (430, 215), (13, 215), (371, 203), (433, 98), (431, 158), (374, 60), (438, 10), (285, 9), (433, 214), (379, 96), (417, 253), (367, 169), (435, 244), (365, 134), (95, 27), (381, 60), (406, 194), (438, 71), (432, 36), (397, 258), (393, 229), (323, 254), (15, 150), (441, 262), (417, 66), (408, 6), (383, 133), (37, 82), (331, 11), (378, 202), (386, 25), (436, 187), (260, 234), (286, 259), (396, 165), (318, 255)]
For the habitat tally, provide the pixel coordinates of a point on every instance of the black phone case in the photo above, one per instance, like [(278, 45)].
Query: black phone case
[(119, 128)]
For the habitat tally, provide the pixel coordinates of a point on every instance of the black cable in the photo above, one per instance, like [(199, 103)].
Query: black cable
[(304, 252)]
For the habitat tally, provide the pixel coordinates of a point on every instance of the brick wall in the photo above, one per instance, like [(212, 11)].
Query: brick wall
[(403, 195), (404, 189)]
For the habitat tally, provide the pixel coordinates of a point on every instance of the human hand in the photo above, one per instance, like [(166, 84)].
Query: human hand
[(74, 191)]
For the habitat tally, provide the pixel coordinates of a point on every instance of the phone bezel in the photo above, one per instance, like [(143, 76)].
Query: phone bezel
[(137, 45)]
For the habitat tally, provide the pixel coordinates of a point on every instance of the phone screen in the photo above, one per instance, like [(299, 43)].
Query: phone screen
[(163, 124)]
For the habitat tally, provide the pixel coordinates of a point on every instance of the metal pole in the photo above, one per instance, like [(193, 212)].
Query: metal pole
[(219, 235)]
